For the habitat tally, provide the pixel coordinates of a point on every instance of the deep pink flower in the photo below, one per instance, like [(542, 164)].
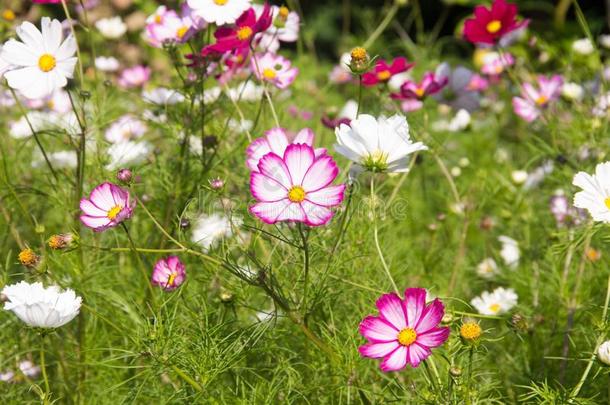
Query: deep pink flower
[(429, 85), (489, 25), (135, 76), (532, 101), (295, 187), (241, 35), (107, 206), (276, 140), (405, 330), (168, 273), (382, 72)]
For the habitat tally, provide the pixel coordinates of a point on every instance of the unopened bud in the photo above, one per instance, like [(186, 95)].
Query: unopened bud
[(360, 60), (124, 176)]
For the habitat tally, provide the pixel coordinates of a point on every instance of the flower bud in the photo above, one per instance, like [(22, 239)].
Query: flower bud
[(455, 371), (60, 241), (470, 331), (124, 176), (603, 352), (217, 183), (360, 60), (185, 223), (520, 323)]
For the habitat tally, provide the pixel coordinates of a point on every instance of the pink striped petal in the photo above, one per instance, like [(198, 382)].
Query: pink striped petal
[(416, 354), (95, 222), (268, 212), (391, 309), (278, 141), (397, 360), (321, 173), (119, 195), (377, 330), (102, 197), (91, 209), (415, 302), (304, 136), (328, 196), (433, 337), (298, 159), (292, 212), (266, 189), (271, 165), (431, 316), (315, 215), (377, 350), (257, 149)]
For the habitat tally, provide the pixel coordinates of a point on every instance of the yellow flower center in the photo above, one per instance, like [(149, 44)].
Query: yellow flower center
[(27, 257), (221, 2), (182, 32), (384, 75), (494, 26), (284, 12), (56, 242), (296, 194), (541, 100), (269, 74), (47, 62), (407, 336), (607, 202), (244, 33), (158, 19), (419, 92), (470, 331), (358, 54), (593, 254), (8, 15), (114, 211), (172, 277), (494, 308)]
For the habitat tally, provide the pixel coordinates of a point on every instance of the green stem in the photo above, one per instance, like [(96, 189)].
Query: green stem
[(188, 379), (359, 95), (78, 56), (43, 368), (381, 27), (376, 235), (305, 269), (138, 259)]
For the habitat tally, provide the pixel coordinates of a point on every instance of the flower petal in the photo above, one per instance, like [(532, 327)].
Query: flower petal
[(434, 337), (397, 360), (391, 309), (377, 330), (321, 173), (266, 189), (431, 316), (298, 159), (377, 350)]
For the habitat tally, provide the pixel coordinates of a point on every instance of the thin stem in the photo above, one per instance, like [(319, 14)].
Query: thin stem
[(43, 368), (188, 379), (376, 236), (305, 248), (384, 24), (260, 75), (359, 95), (138, 259)]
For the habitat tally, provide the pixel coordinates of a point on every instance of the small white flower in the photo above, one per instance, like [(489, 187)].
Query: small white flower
[(487, 268), (246, 91), (240, 126), (28, 368), (111, 28), (572, 91), (595, 194), (125, 128), (65, 159), (519, 176), (41, 307), (538, 174), (163, 96), (42, 62), (510, 251), (207, 230), (583, 46), (499, 301), (377, 145), (603, 352), (604, 41), (127, 153), (219, 12), (602, 105), (107, 64), (7, 375)]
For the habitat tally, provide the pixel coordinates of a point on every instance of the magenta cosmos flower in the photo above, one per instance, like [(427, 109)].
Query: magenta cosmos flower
[(295, 187), (382, 72), (274, 69), (534, 101), (429, 85), (239, 37), (107, 206), (168, 273), (405, 330), (276, 140), (489, 26)]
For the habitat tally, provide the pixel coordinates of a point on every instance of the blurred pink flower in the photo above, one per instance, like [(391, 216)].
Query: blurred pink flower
[(533, 101), (383, 72), (136, 76), (168, 273)]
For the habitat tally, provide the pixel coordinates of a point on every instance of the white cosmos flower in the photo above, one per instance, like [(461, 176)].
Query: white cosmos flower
[(7, 375), (111, 28), (41, 307), (246, 91), (207, 230), (377, 145), (572, 91), (125, 128), (510, 251), (219, 12), (603, 352), (595, 194), (163, 96), (499, 301), (107, 64), (487, 268), (65, 159), (127, 153), (604, 40), (583, 46), (42, 62)]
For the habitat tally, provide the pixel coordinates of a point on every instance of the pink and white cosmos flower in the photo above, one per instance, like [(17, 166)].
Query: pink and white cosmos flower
[(170, 28), (107, 206), (405, 330), (295, 187), (276, 140), (274, 69), (136, 76), (533, 101), (168, 273)]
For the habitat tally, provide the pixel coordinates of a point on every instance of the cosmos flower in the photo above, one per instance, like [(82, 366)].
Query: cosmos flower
[(295, 187), (412, 93), (107, 206), (276, 140), (478, 83), (405, 331), (583, 46), (41, 63), (595, 194), (494, 63), (65, 159), (377, 145), (29, 369), (488, 268), (127, 153), (169, 27), (125, 128), (382, 72), (533, 101), (274, 69), (219, 12), (499, 301), (564, 212), (510, 251), (162, 96), (136, 76), (111, 28), (285, 28), (107, 64), (168, 273), (602, 105), (209, 229), (41, 307), (572, 91), (603, 352), (489, 26), (332, 119)]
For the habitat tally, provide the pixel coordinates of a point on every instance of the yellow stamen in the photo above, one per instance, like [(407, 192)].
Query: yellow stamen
[(27, 257), (470, 331), (114, 211), (170, 280), (407, 336), (541, 100), (358, 54), (158, 19), (284, 12), (296, 194), (56, 242), (244, 33), (419, 92), (221, 2), (182, 32), (494, 26), (384, 75), (494, 308), (47, 62), (269, 74), (593, 254), (8, 15)]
